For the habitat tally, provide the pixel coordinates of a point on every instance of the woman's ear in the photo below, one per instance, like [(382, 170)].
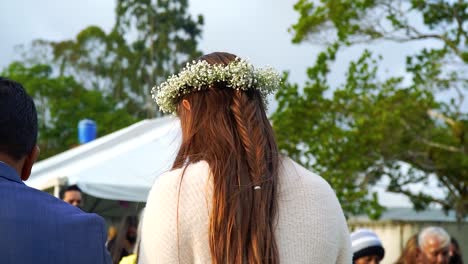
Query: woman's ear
[(186, 104)]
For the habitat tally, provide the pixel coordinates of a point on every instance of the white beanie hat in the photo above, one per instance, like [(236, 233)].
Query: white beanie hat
[(365, 242)]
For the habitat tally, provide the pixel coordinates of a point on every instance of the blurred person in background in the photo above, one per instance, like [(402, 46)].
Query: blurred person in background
[(367, 247), (72, 195), (124, 243), (455, 256), (133, 258), (434, 244), (410, 252), (111, 234)]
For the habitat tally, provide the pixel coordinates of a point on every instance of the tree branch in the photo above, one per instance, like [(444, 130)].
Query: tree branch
[(433, 199), (441, 146), (447, 120), (417, 34), (412, 158), (447, 41), (447, 184), (461, 99), (460, 30)]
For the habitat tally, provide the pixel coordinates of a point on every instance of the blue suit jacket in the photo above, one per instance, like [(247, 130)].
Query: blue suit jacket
[(37, 228)]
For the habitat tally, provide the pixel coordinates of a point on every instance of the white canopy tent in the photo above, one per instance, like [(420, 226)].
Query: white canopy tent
[(123, 166), (120, 166)]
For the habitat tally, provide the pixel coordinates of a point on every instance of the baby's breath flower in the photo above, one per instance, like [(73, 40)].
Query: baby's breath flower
[(199, 75)]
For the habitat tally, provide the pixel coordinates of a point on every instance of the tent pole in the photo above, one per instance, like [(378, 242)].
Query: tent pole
[(57, 190)]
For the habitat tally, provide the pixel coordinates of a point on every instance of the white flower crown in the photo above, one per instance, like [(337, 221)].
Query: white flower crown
[(200, 75)]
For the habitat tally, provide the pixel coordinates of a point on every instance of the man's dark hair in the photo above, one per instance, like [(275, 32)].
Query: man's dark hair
[(18, 120), (73, 187)]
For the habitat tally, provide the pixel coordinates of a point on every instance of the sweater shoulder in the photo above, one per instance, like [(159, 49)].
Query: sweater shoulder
[(295, 176), (182, 185), (193, 174)]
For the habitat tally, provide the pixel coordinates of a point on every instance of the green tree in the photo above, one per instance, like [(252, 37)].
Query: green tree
[(369, 128), (61, 102), (149, 41)]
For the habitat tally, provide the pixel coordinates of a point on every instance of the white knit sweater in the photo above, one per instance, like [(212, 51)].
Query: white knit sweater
[(311, 226)]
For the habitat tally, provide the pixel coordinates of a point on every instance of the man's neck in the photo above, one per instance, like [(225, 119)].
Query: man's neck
[(17, 165)]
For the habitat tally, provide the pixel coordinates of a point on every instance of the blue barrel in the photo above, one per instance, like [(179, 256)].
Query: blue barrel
[(87, 131)]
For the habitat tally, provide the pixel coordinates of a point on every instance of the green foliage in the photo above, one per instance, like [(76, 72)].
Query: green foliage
[(106, 76), (368, 127), (344, 14), (61, 102), (149, 41), (356, 21)]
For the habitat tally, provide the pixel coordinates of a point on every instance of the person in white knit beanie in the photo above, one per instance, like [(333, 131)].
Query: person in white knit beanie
[(367, 247)]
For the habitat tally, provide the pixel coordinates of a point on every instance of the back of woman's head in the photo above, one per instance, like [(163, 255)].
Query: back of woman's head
[(410, 252), (228, 127)]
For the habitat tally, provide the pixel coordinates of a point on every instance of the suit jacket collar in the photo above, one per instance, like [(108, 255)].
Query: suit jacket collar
[(9, 173)]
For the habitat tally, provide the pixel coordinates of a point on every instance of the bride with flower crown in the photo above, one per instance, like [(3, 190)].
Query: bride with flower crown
[(231, 197)]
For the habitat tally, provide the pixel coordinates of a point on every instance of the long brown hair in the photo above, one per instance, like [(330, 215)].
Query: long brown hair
[(410, 252), (229, 130)]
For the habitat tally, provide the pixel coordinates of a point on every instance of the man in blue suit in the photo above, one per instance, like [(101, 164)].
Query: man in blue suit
[(36, 227)]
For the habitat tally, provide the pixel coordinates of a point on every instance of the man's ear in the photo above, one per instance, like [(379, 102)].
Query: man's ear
[(28, 162), (186, 104)]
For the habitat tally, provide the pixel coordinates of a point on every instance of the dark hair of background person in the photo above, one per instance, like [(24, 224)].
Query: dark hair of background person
[(456, 258), (242, 153), (116, 246), (73, 187), (18, 120), (410, 252)]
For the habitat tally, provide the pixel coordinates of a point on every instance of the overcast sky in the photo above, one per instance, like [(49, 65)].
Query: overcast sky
[(253, 29), (257, 30)]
